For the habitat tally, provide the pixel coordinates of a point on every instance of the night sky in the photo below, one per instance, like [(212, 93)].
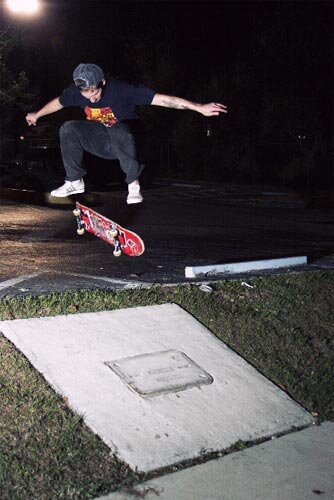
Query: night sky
[(270, 62), (203, 38)]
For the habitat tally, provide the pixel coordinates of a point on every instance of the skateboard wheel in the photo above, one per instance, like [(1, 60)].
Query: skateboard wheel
[(117, 252), (76, 212), (113, 233), (80, 231)]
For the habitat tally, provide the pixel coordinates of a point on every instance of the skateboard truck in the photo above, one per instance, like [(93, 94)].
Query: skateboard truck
[(81, 227), (117, 250), (113, 230)]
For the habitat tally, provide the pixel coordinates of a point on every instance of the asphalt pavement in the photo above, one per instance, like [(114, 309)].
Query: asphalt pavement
[(182, 224)]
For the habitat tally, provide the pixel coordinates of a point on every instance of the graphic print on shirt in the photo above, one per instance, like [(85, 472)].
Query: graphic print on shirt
[(102, 115)]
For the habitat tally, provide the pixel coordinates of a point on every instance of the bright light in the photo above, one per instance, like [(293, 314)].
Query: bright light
[(23, 6)]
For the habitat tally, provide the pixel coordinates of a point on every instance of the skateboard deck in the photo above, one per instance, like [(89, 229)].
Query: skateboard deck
[(122, 239)]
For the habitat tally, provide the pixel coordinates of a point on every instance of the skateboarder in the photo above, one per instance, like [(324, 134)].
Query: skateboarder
[(110, 106)]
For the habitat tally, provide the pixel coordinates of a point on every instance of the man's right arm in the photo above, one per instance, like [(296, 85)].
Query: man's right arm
[(50, 107)]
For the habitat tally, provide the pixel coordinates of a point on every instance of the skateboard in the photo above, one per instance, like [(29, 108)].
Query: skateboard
[(123, 240)]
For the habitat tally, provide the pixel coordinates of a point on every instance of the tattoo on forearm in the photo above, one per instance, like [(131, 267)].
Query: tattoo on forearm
[(174, 104)]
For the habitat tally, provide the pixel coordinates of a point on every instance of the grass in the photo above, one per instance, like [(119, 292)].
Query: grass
[(283, 325)]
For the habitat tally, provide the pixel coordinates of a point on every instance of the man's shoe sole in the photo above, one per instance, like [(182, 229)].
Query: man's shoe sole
[(79, 191), (132, 202)]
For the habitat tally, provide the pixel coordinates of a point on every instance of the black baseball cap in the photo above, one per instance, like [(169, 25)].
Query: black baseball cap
[(87, 75)]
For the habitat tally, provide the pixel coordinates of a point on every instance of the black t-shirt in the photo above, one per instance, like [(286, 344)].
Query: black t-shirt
[(118, 102)]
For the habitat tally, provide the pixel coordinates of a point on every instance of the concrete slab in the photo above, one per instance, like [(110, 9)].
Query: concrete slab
[(298, 466), (16, 281), (153, 432), (44, 281)]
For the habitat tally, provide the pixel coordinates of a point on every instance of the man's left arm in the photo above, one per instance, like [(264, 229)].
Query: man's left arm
[(209, 109)]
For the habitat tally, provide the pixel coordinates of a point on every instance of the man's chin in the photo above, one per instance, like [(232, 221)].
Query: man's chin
[(95, 100)]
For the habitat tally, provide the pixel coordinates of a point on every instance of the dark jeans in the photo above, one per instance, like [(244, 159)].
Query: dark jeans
[(112, 143)]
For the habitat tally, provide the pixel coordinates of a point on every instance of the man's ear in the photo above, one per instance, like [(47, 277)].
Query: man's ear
[(103, 82)]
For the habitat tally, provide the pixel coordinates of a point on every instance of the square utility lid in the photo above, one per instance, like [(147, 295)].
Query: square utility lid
[(160, 372)]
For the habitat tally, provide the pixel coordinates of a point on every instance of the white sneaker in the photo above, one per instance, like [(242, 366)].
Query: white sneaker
[(134, 195), (74, 187)]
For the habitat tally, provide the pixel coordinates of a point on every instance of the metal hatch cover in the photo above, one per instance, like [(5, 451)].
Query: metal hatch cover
[(160, 372)]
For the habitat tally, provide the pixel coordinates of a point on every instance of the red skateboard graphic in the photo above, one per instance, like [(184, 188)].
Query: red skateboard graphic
[(107, 230)]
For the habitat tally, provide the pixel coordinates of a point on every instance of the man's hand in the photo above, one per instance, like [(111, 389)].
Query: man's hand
[(212, 109), (32, 119)]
